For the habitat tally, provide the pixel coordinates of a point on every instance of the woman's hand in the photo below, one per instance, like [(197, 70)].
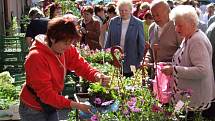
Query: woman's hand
[(167, 70), (103, 79), (83, 107)]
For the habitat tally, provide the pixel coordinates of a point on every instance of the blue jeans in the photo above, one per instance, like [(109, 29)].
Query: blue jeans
[(28, 114)]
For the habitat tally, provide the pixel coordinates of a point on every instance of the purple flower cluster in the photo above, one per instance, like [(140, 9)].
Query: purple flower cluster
[(132, 106), (94, 118), (107, 103), (97, 101)]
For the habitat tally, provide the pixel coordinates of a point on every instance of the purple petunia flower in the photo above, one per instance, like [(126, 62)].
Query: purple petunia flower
[(126, 112), (94, 118), (135, 109), (107, 103), (133, 99), (131, 103), (97, 101)]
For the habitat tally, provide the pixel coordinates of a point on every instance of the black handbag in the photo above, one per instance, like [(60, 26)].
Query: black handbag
[(48, 109)]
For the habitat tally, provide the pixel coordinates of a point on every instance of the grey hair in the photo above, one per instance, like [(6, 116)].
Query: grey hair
[(158, 2), (124, 2), (187, 12), (35, 12)]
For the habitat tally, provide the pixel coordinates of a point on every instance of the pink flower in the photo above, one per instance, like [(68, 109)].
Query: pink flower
[(108, 50)]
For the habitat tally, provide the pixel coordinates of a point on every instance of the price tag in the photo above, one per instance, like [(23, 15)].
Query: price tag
[(133, 68), (178, 106)]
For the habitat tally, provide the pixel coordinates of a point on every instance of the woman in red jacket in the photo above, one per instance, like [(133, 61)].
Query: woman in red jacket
[(46, 64)]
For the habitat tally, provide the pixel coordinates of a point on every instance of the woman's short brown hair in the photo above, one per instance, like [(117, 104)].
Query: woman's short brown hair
[(61, 29), (88, 9), (53, 8)]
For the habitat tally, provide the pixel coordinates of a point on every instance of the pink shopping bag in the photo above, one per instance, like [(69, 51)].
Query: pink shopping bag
[(161, 85)]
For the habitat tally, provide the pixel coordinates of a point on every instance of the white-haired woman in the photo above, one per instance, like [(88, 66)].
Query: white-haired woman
[(127, 31), (192, 65)]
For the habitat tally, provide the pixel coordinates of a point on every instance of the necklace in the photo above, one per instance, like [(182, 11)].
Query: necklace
[(62, 65)]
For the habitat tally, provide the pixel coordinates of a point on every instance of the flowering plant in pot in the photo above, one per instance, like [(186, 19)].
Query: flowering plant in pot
[(101, 96)]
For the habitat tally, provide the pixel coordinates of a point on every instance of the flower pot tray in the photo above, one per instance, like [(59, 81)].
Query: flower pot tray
[(84, 98)]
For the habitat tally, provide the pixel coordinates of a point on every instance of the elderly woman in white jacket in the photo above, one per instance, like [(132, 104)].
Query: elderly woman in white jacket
[(192, 62)]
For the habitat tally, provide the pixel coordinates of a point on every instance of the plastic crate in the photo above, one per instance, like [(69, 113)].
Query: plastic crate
[(11, 44), (12, 54)]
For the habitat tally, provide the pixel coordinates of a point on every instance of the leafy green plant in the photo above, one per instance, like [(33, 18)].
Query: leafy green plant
[(14, 27), (99, 95), (95, 56), (8, 92), (68, 5), (24, 23)]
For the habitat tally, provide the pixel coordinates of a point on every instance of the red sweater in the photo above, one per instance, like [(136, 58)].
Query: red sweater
[(45, 73)]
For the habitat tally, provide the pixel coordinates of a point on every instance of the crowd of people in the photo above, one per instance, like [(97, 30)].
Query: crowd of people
[(183, 32)]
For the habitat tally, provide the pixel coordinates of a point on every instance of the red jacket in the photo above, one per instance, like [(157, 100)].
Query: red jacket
[(45, 73)]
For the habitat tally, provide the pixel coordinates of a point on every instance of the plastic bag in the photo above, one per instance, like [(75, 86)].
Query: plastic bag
[(162, 85)]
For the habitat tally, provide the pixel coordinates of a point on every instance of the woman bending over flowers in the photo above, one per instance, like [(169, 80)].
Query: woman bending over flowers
[(46, 64)]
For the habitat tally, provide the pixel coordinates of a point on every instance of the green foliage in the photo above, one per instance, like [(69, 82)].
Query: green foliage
[(97, 88), (97, 91), (8, 92), (24, 22), (105, 68), (99, 57), (68, 5), (14, 27), (72, 115)]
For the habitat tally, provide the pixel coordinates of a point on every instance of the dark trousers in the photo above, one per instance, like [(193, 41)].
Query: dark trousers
[(209, 114), (28, 114)]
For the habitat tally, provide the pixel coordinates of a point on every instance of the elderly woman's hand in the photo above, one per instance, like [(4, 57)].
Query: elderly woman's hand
[(103, 79), (167, 70)]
